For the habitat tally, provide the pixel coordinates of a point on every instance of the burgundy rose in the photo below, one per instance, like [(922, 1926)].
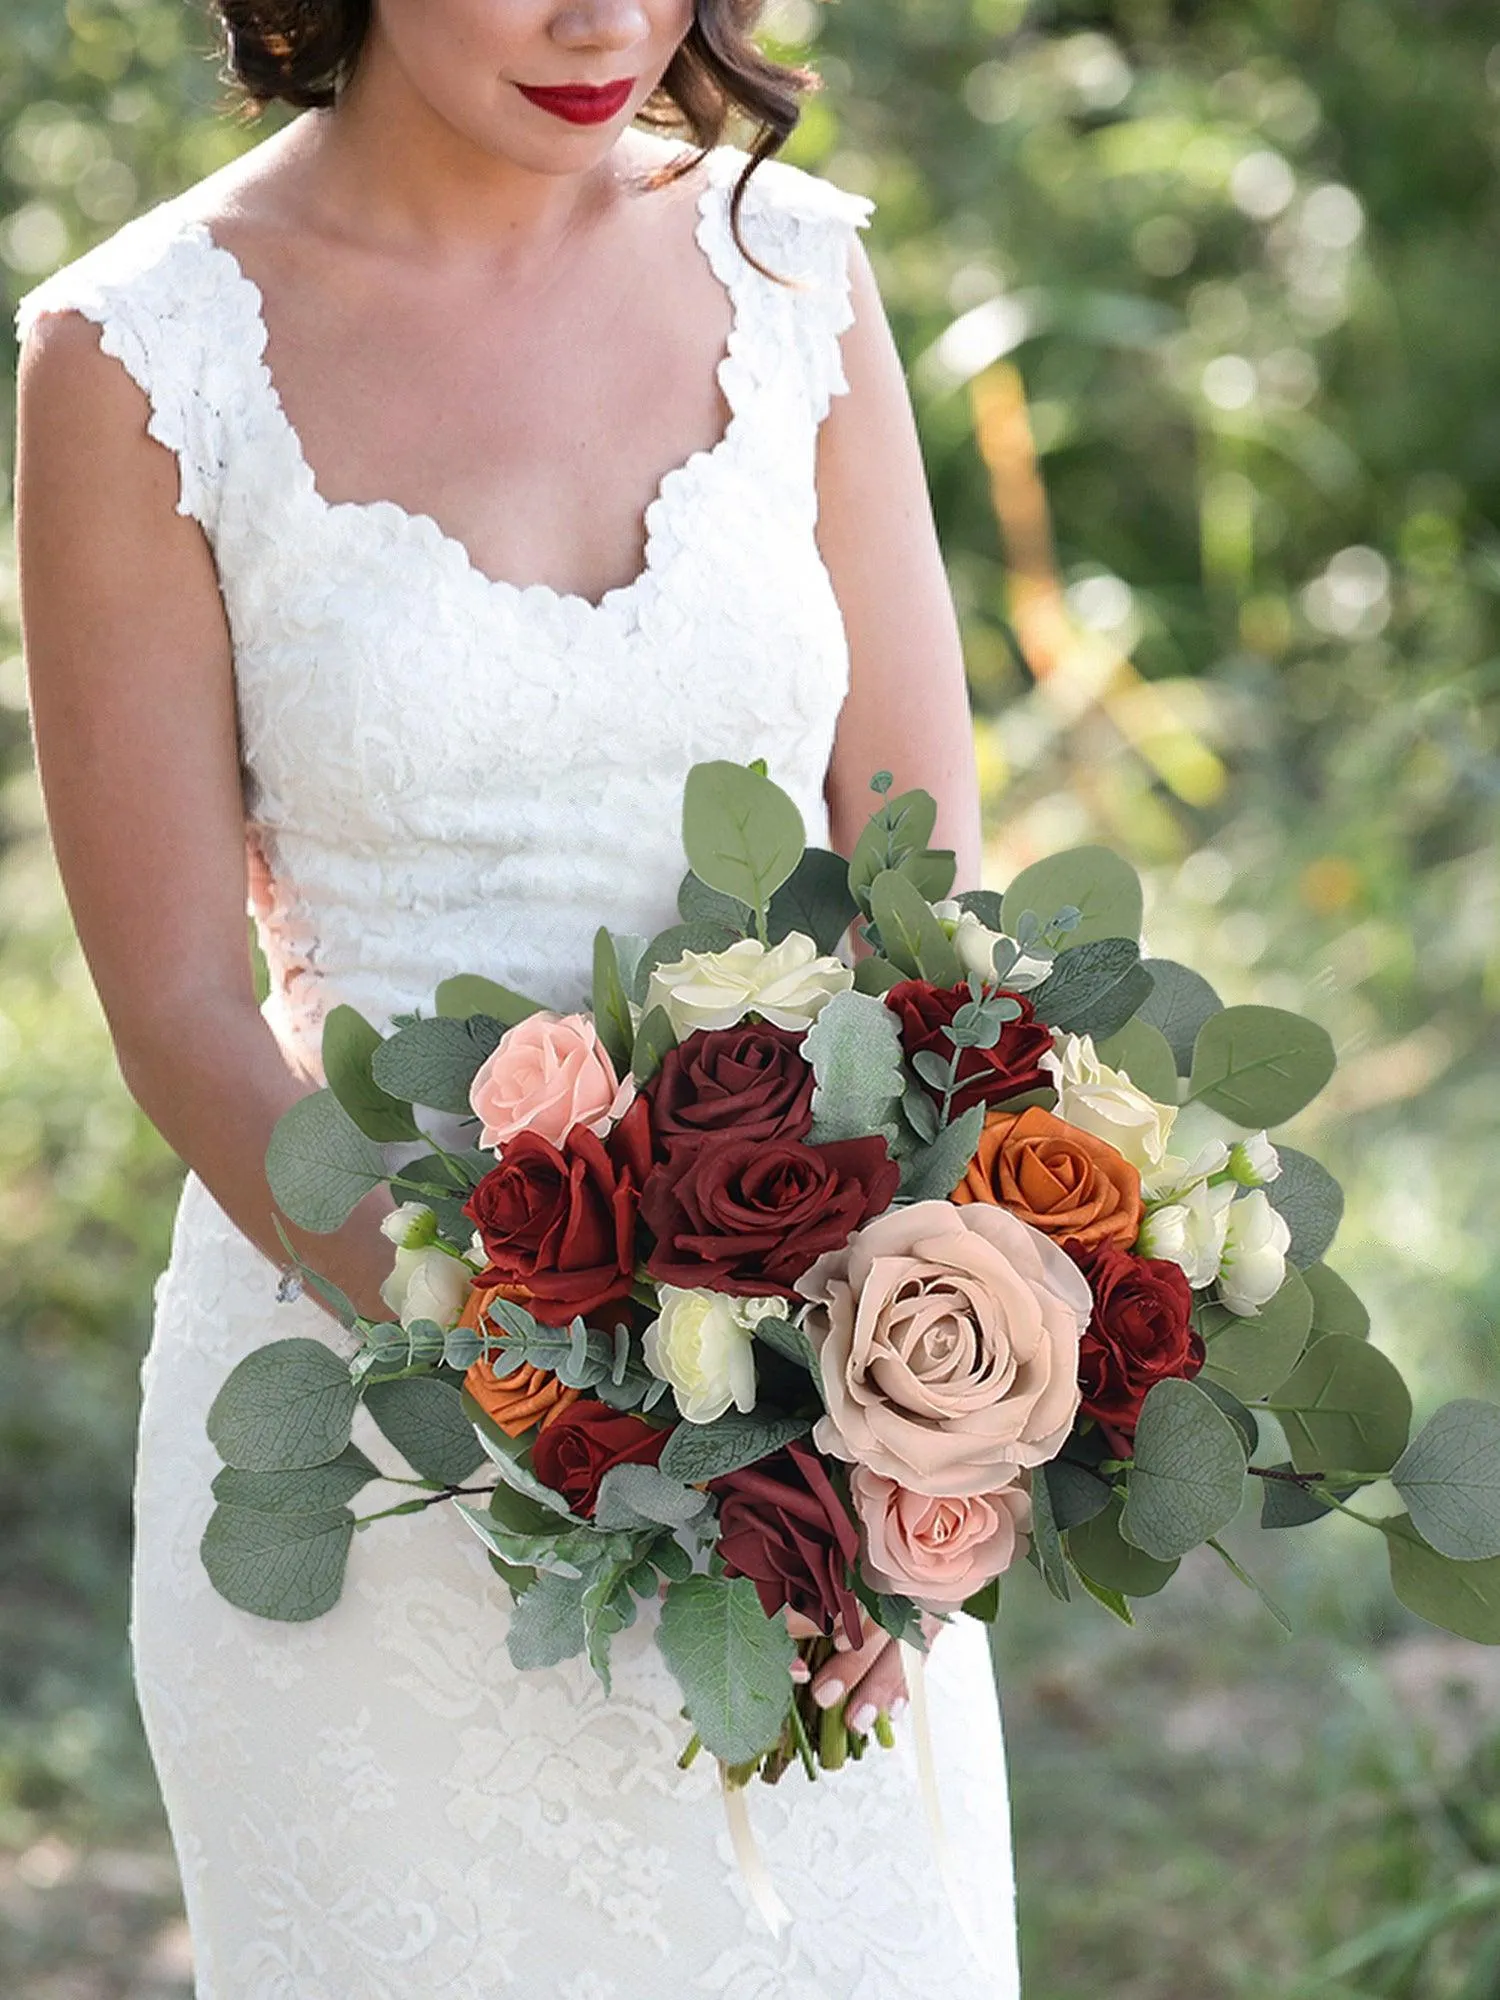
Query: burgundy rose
[(576, 1449), (749, 1217), (1141, 1331), (985, 1076), (751, 1080), (560, 1222), (782, 1524)]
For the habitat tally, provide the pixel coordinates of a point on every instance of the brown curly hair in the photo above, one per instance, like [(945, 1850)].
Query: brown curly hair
[(302, 52)]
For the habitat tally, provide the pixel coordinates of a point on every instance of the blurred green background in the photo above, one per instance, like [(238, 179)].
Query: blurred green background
[(1201, 306)]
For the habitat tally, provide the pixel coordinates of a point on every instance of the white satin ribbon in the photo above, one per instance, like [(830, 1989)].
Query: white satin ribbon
[(753, 1870), (757, 1877)]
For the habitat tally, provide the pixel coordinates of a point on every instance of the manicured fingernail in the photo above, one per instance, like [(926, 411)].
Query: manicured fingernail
[(898, 1708), (826, 1693), (799, 1670), (863, 1718)]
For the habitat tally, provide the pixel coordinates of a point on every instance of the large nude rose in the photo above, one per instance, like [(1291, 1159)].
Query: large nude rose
[(947, 1341), (1061, 1180)]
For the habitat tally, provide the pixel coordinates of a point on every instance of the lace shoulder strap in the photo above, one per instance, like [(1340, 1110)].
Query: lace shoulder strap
[(155, 289), (801, 226)]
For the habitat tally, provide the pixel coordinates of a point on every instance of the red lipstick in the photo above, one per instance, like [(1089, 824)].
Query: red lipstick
[(581, 103)]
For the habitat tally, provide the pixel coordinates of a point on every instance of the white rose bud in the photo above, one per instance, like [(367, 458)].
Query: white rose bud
[(1190, 1232), (1176, 1175), (1255, 1246), (701, 1345), (411, 1226), (787, 984), (1105, 1102), (1254, 1160), (427, 1283), (975, 944)]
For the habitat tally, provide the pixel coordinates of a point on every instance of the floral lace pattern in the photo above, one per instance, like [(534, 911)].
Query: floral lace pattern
[(445, 773)]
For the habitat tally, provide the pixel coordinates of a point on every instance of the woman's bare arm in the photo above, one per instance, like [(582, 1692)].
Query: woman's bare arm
[(907, 710), (132, 703)]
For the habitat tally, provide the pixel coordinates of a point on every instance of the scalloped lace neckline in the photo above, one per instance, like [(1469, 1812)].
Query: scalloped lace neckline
[(425, 529)]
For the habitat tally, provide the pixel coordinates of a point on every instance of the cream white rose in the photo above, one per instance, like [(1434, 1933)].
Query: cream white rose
[(427, 1283), (1173, 1179), (410, 1225), (1253, 1268), (975, 944), (702, 1347), (1254, 1160), (1104, 1101), (787, 984), (1191, 1232)]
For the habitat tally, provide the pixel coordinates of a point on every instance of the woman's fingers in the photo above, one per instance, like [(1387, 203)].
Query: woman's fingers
[(844, 1672)]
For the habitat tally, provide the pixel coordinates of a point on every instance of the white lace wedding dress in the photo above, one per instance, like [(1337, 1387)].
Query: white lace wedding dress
[(446, 773)]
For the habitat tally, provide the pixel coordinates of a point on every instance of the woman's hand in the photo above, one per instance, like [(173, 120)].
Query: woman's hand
[(867, 1673)]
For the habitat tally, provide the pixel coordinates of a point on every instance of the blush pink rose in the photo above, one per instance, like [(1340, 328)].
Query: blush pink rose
[(947, 1341), (548, 1074), (937, 1549)]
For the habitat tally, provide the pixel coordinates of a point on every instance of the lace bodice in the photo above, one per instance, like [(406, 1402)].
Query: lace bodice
[(447, 773)]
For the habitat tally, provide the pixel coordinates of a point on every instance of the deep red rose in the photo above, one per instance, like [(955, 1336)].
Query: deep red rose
[(782, 1524), (749, 1217), (561, 1222), (751, 1080), (577, 1448), (1141, 1331), (985, 1076)]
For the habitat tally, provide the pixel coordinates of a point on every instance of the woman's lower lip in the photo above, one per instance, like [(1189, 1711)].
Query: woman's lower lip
[(581, 107)]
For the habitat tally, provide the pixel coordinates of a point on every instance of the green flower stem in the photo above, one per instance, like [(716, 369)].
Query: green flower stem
[(695, 1744), (416, 1506), (802, 1739), (833, 1738), (1331, 1499), (1309, 1478), (885, 1735)]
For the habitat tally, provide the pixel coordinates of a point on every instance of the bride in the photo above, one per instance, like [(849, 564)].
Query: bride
[(403, 510)]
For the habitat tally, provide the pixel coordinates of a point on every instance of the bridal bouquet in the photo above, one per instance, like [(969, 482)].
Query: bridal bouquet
[(769, 1283)]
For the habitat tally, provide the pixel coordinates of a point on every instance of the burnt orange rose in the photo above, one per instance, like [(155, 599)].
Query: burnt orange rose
[(1061, 1180), (516, 1401)]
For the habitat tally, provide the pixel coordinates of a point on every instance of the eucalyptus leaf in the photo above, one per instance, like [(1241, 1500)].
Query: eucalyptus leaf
[(1094, 989), (1075, 1493), (653, 1038), (1180, 1001), (1337, 1308), (434, 1062), (319, 1164), (308, 1489), (731, 1662), (910, 934), (1344, 1408), (930, 872), (284, 1566), (876, 975), (697, 903), (854, 1047), (507, 1454), (1259, 1065), (788, 1340), (742, 834), (424, 1418), (1310, 1200), (1237, 1412), (1249, 1355), (899, 828), (1460, 1597), (696, 1453), (466, 994), (1104, 889), (1449, 1477), (286, 1405), (1046, 1542), (1188, 1478), (349, 1043), (986, 904), (1101, 1555), (1141, 1053), (613, 1020), (815, 900), (1284, 1504)]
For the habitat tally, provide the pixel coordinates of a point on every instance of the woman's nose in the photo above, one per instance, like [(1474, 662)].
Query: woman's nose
[(602, 24)]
